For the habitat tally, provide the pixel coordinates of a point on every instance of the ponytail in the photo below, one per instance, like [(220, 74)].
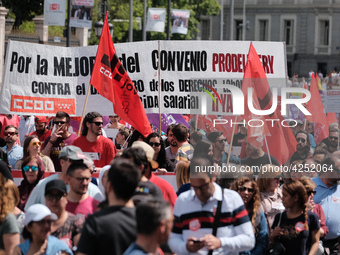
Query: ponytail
[(306, 217)]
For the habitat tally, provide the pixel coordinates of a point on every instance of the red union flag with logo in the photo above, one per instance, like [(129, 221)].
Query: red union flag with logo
[(111, 80)]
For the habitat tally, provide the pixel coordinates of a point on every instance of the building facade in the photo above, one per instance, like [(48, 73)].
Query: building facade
[(310, 29)]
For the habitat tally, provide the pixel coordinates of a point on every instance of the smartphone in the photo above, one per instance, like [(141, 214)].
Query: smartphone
[(197, 241)]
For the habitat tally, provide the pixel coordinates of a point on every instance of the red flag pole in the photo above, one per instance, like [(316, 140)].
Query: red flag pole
[(83, 114), (231, 141), (159, 88)]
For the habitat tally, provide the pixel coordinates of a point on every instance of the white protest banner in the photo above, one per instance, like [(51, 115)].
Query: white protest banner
[(81, 13), (180, 20), (43, 79), (54, 12), (156, 19)]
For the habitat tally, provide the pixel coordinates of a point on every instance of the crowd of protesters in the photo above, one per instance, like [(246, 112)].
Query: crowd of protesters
[(129, 209)]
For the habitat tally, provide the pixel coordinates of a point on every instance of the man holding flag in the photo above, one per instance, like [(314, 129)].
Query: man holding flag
[(112, 82)]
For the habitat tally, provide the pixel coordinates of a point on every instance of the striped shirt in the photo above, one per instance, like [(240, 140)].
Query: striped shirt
[(194, 219)]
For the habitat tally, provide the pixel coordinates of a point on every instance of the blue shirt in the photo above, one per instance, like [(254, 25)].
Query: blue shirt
[(14, 155), (135, 249), (329, 199)]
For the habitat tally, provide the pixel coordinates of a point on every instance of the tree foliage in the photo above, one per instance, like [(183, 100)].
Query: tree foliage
[(24, 10)]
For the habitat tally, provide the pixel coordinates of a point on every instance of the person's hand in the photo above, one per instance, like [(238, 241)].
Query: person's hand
[(56, 134), (194, 246), (162, 170), (211, 242), (277, 232), (42, 249)]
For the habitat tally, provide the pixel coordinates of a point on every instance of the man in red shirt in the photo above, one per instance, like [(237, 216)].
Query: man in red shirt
[(41, 128), (95, 146)]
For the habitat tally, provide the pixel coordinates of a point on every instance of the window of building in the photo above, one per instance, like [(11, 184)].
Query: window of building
[(263, 24), (324, 32), (205, 29), (289, 32), (238, 30)]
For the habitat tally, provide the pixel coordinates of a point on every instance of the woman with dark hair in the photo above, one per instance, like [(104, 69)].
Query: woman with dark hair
[(32, 171), (32, 148), (203, 147), (299, 229), (250, 194), (157, 143), (136, 136), (37, 236)]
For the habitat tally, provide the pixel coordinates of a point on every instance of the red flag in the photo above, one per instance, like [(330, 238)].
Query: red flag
[(315, 107), (113, 82), (331, 118), (281, 141)]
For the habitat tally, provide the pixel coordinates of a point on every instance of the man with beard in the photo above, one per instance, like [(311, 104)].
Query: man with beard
[(328, 196), (41, 130), (60, 138), (171, 151), (13, 149), (95, 146), (332, 140), (79, 203), (303, 149)]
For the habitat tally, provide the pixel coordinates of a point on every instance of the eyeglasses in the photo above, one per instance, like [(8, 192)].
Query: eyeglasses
[(221, 141), (44, 222), (300, 139), (310, 192), (33, 168), (334, 138), (154, 144), (202, 187), (243, 189), (58, 196), (59, 122), (36, 143), (81, 179), (10, 133), (97, 123)]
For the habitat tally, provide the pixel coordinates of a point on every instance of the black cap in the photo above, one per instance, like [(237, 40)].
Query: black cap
[(56, 184)]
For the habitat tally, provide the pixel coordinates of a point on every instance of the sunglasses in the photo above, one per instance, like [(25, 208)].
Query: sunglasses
[(243, 189), (97, 123), (36, 143), (334, 138), (311, 192), (59, 122), (154, 144), (10, 133), (222, 140), (33, 168), (300, 139), (50, 196)]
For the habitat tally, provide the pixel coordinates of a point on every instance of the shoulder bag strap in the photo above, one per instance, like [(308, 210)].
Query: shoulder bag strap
[(217, 217)]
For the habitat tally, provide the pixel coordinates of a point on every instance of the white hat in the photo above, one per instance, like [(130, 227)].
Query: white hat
[(37, 212)]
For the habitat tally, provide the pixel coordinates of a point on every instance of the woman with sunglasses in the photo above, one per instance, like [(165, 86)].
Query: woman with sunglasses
[(250, 195), (32, 148), (32, 173), (298, 230), (37, 236), (156, 142), (269, 182)]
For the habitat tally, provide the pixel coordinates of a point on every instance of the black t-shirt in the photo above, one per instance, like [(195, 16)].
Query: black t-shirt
[(296, 239), (259, 162), (109, 231)]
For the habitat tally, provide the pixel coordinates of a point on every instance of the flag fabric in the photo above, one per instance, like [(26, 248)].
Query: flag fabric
[(281, 141), (166, 120), (331, 118), (315, 107), (112, 82)]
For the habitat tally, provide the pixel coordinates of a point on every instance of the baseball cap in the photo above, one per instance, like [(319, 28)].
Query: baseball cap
[(212, 136), (40, 119), (149, 151), (56, 184), (72, 152), (37, 212)]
